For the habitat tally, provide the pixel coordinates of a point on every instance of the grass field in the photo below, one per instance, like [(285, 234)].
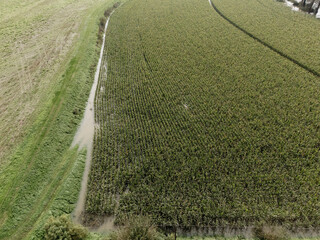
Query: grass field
[(41, 107), (37, 40), (201, 124)]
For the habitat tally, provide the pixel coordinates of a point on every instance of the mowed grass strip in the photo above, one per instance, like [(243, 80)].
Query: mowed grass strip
[(201, 125)]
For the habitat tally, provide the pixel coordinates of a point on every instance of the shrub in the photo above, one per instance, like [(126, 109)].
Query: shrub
[(108, 12), (62, 228), (138, 228), (270, 233), (102, 23), (117, 4), (76, 111)]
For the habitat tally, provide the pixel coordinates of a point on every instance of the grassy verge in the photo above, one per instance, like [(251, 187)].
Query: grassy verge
[(66, 193), (30, 185)]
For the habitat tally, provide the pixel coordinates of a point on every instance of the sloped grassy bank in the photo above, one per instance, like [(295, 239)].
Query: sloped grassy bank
[(44, 175)]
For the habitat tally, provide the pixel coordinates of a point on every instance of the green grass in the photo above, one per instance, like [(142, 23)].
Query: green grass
[(42, 176), (38, 38), (202, 125), (64, 196)]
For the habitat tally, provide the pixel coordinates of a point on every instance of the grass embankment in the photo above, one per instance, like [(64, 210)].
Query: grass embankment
[(202, 125), (42, 176)]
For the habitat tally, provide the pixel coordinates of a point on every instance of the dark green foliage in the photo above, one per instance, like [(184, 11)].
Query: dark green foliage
[(102, 23), (117, 4), (270, 233), (103, 20), (76, 111), (108, 12), (62, 228)]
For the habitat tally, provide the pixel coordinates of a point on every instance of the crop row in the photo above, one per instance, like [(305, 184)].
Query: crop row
[(198, 124)]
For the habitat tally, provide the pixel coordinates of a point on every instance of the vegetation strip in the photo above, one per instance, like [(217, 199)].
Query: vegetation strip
[(310, 70), (85, 133)]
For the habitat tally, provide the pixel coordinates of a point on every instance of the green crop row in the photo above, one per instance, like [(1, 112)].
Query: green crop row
[(198, 124)]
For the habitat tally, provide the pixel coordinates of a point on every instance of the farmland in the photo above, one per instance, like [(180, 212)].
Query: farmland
[(293, 33), (202, 124)]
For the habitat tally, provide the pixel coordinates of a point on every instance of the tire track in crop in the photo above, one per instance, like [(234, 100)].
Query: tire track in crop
[(310, 70)]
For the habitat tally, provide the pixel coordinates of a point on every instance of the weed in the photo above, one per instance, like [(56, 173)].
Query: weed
[(270, 233), (137, 228), (62, 228)]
